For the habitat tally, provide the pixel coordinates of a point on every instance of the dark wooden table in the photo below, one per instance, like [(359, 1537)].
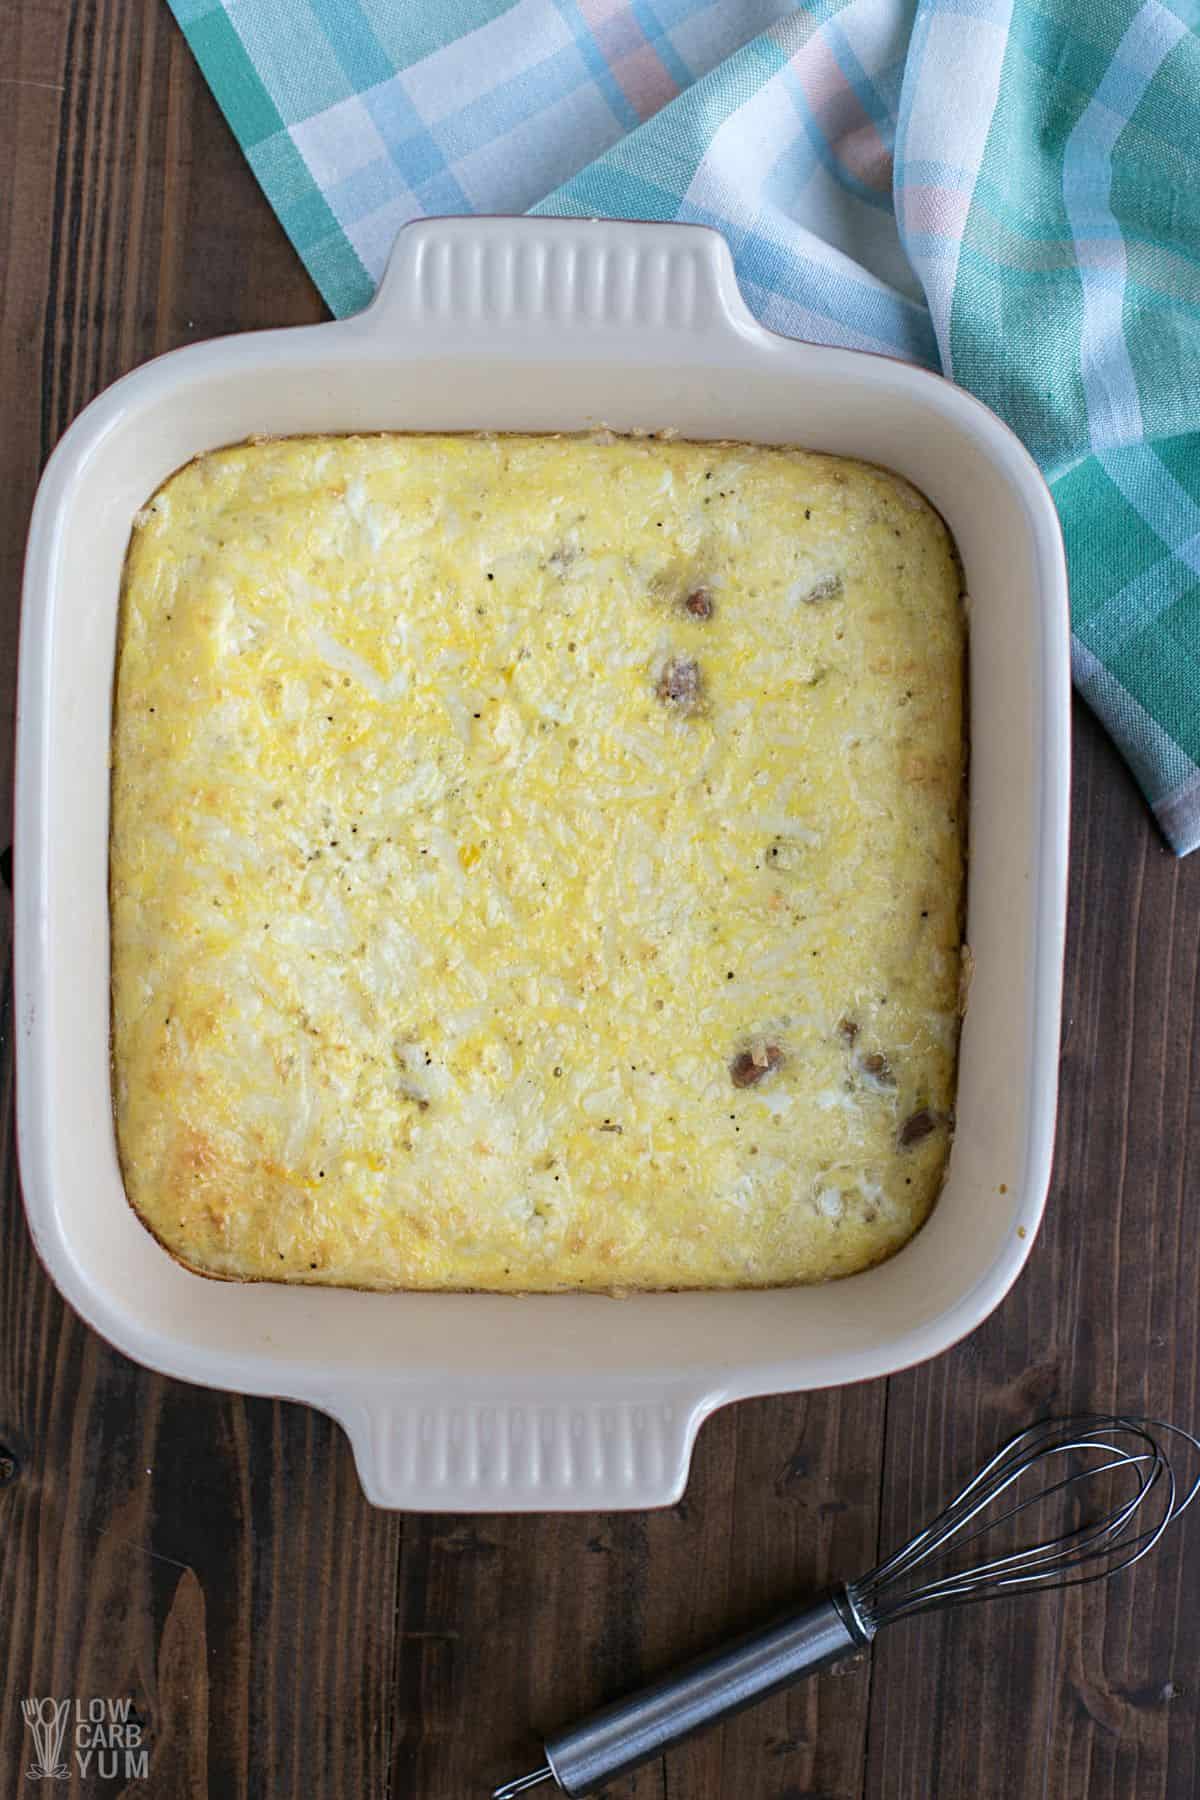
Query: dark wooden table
[(212, 1557)]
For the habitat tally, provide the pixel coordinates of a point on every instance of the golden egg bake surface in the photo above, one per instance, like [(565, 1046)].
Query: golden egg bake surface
[(536, 862)]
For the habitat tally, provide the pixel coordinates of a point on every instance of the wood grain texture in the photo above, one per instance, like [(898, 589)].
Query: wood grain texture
[(212, 1558)]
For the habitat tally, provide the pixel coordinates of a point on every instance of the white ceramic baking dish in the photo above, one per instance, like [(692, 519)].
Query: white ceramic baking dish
[(479, 1401)]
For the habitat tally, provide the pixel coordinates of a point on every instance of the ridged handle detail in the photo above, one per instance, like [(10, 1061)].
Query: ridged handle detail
[(508, 275), (537, 1456)]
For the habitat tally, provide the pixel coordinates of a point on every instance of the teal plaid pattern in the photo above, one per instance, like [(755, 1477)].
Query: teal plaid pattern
[(1007, 190)]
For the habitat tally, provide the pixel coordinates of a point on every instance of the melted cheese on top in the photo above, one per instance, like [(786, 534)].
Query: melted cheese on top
[(536, 863)]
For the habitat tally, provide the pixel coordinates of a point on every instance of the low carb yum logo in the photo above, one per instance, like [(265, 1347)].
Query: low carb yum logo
[(105, 1739), (47, 1720)]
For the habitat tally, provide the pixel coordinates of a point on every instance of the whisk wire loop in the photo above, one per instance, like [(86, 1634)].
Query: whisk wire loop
[(1087, 1551), (951, 1520), (1110, 1528)]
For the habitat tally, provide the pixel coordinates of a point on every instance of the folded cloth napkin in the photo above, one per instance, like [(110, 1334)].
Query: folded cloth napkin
[(1006, 190)]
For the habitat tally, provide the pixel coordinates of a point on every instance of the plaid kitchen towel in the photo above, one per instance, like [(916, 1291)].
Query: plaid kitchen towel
[(1007, 190)]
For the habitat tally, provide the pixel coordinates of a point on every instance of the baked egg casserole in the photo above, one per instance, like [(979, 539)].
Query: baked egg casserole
[(536, 863)]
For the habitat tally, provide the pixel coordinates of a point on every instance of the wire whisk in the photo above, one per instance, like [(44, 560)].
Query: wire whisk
[(1098, 1444), (1109, 1476)]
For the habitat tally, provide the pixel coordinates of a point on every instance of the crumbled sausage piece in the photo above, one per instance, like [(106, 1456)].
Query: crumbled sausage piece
[(877, 1066), (917, 1127), (681, 685), (848, 1029), (749, 1066), (699, 603), (561, 558), (786, 856), (828, 588)]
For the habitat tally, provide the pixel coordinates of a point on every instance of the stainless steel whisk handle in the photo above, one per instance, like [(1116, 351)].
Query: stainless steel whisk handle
[(632, 1731)]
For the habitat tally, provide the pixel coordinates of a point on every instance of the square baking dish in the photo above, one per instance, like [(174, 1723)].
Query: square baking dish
[(486, 1402)]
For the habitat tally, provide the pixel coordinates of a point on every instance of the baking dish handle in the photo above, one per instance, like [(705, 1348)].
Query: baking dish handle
[(504, 283), (451, 1447)]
